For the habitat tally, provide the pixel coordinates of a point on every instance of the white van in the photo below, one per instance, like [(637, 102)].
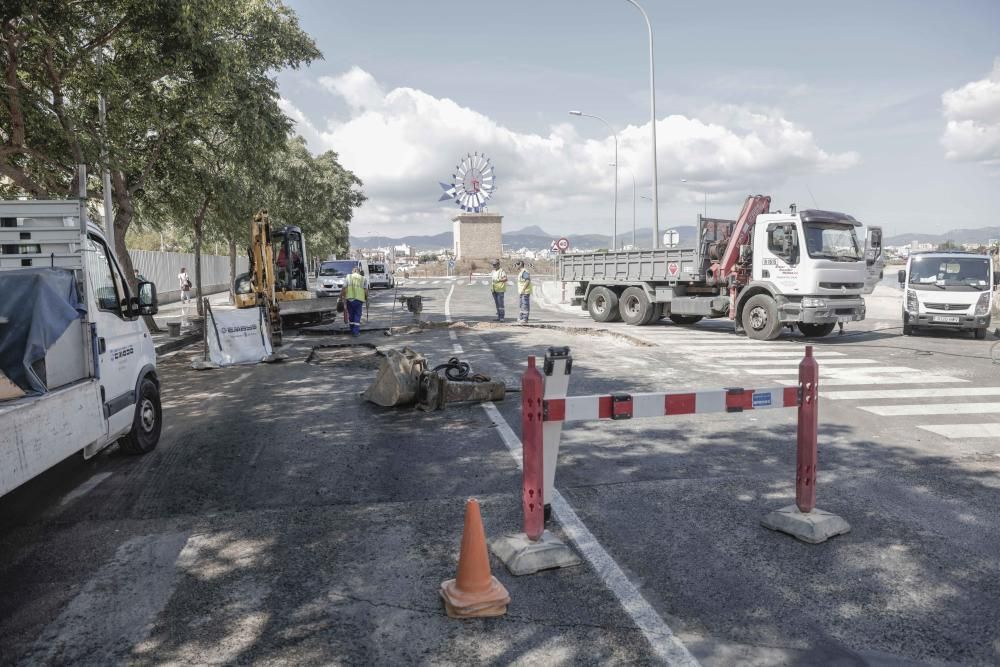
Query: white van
[(379, 275), (948, 290)]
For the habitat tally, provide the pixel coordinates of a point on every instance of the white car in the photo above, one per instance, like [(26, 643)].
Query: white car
[(948, 290), (331, 277), (379, 275)]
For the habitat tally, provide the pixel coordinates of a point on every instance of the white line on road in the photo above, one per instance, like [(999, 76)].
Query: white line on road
[(959, 431), (83, 489), (792, 361), (936, 392), (869, 380), (845, 373), (932, 409), (661, 638), (457, 349), (447, 304), (769, 354)]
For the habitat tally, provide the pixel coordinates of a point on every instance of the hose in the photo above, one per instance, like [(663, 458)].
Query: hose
[(458, 371)]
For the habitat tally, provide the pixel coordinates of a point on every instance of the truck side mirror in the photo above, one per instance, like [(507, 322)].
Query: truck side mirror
[(901, 276), (148, 304)]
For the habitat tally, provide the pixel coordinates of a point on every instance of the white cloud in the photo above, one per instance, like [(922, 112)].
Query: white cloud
[(972, 133), (401, 143)]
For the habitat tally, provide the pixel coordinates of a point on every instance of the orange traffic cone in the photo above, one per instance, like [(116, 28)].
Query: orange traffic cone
[(474, 592)]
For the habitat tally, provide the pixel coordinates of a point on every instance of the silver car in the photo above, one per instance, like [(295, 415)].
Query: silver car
[(332, 275)]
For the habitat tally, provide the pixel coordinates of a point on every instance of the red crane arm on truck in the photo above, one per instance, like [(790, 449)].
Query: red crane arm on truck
[(754, 206)]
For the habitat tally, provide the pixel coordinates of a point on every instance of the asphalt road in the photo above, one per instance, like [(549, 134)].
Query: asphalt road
[(284, 520)]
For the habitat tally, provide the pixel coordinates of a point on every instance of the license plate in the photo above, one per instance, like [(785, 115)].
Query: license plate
[(945, 318)]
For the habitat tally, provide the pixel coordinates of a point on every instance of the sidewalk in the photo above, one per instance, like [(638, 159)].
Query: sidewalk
[(187, 315)]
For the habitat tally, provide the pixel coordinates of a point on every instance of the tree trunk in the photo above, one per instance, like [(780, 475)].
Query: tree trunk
[(232, 270), (199, 232), (124, 212)]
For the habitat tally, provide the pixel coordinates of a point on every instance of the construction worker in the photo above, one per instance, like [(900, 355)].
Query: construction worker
[(498, 286), (354, 295), (523, 291)]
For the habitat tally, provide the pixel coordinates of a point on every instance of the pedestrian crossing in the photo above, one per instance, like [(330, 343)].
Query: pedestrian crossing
[(407, 282), (876, 382)]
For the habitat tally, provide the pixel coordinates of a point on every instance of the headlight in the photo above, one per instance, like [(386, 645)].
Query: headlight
[(911, 301), (983, 305), (812, 302)]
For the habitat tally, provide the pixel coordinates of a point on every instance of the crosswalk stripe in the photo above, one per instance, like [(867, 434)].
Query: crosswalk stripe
[(868, 380), (937, 392), (793, 361), (771, 354), (932, 409), (962, 431), (844, 373)]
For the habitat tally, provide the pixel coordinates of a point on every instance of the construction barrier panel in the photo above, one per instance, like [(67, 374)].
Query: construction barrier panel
[(557, 408)]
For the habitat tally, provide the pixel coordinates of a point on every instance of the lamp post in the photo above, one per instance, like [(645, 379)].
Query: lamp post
[(632, 174), (652, 125), (703, 192), (614, 228)]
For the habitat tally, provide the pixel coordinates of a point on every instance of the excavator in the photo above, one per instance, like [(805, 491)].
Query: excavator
[(273, 277)]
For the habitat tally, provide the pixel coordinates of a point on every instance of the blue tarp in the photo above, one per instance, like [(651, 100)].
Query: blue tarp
[(39, 304)]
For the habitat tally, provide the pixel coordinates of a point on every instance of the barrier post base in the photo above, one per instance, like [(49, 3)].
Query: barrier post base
[(524, 556), (815, 527)]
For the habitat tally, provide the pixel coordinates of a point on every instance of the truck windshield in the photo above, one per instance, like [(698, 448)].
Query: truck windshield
[(376, 268), (971, 273), (831, 240), (336, 268)]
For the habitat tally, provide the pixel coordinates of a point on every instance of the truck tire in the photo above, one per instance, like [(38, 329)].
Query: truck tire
[(980, 333), (685, 319), (602, 304), (760, 318), (816, 330), (907, 329), (655, 314), (635, 307), (147, 423)]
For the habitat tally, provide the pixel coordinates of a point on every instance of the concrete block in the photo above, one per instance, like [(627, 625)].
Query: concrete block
[(815, 527), (522, 556)]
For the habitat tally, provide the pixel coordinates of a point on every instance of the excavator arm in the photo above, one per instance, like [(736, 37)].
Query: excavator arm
[(262, 271)]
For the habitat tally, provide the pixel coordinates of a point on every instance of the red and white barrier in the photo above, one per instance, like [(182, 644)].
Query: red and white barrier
[(549, 400)]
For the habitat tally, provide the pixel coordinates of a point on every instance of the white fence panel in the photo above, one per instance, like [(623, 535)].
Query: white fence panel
[(162, 269)]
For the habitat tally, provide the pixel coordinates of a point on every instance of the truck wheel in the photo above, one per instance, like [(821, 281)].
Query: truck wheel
[(907, 329), (760, 318), (146, 424), (980, 333), (602, 305), (634, 306), (816, 330), (685, 319), (655, 313)]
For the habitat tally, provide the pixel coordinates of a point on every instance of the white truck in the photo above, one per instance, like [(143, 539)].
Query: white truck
[(948, 290), (78, 364), (764, 271)]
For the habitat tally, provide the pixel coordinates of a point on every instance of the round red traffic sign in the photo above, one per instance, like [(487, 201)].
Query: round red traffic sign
[(562, 243)]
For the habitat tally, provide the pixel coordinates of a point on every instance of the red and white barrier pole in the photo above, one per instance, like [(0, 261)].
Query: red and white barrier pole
[(808, 431), (532, 386)]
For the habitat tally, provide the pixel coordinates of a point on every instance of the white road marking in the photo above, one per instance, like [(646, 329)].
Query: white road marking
[(934, 392), (869, 380), (932, 409), (661, 638), (770, 354), (961, 431), (793, 361), (420, 282), (869, 372), (484, 282), (83, 489), (457, 349), (447, 305)]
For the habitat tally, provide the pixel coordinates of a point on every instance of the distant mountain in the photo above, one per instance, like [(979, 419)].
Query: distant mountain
[(981, 235), (532, 238)]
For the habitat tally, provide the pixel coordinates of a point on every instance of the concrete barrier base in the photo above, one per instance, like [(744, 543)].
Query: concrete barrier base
[(815, 527), (523, 556)]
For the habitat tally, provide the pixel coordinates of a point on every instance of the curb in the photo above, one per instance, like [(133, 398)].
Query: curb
[(178, 343)]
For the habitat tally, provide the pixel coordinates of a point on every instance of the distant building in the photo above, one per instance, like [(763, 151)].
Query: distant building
[(404, 250)]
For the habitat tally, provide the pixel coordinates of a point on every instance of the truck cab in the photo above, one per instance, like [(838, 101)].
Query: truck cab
[(81, 363), (816, 265), (948, 290)]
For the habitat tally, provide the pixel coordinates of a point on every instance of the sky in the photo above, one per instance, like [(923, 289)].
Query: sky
[(888, 110)]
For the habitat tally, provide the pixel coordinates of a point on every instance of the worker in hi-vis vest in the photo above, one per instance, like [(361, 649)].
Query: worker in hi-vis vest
[(523, 290), (498, 286), (354, 295)]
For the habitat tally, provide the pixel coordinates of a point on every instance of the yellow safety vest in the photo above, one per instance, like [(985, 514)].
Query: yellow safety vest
[(356, 287), (499, 280), (524, 282)]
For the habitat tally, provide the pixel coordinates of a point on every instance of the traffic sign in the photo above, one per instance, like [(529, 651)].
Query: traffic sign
[(563, 244), (672, 268)]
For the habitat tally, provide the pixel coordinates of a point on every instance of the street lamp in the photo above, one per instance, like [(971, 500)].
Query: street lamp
[(614, 228), (632, 174), (652, 126), (705, 193)]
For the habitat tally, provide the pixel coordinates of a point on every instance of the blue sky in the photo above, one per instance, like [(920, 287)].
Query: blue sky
[(840, 104)]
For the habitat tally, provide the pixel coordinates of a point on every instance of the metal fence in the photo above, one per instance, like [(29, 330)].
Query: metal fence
[(162, 268)]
